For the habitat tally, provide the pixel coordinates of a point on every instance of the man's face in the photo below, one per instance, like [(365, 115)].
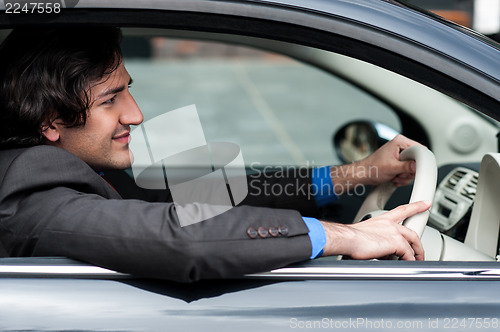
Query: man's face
[(103, 142)]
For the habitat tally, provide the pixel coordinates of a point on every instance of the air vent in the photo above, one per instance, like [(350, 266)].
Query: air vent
[(454, 179), (470, 188), (454, 198)]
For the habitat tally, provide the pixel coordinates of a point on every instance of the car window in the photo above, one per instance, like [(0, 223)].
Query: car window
[(278, 110)]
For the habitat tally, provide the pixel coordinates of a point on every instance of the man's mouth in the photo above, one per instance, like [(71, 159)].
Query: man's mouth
[(122, 138)]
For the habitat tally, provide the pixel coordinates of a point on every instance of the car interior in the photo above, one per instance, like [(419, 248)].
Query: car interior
[(343, 113)]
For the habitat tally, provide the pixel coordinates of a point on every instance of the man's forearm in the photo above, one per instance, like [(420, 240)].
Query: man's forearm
[(346, 177)]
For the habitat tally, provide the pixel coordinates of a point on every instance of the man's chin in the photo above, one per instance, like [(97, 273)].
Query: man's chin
[(123, 160), (117, 164), (123, 164)]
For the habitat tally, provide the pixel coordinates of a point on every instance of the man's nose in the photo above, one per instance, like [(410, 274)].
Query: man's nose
[(131, 113)]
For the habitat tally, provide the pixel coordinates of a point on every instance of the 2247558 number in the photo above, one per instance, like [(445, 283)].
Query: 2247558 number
[(32, 8), (471, 323)]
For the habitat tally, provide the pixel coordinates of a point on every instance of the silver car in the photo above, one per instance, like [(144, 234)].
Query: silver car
[(300, 83)]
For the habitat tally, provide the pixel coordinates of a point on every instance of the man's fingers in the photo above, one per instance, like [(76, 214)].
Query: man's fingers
[(404, 142), (408, 247), (414, 242), (406, 254), (412, 249), (420, 256), (403, 179), (404, 211), (406, 167)]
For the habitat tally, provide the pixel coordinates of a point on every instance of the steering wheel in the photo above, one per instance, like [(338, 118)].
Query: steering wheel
[(423, 189)]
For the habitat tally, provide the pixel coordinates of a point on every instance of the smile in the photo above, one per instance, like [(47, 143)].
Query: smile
[(124, 138)]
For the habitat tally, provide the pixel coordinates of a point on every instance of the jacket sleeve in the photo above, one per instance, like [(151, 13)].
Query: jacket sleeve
[(70, 211), (285, 188)]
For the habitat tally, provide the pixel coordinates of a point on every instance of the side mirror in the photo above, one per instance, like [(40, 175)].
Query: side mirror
[(357, 140)]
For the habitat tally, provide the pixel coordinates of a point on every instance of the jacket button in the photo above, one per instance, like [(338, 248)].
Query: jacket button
[(263, 233), (252, 232), (283, 230), (274, 231)]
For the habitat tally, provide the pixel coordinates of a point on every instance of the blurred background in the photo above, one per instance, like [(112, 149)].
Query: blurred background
[(480, 15)]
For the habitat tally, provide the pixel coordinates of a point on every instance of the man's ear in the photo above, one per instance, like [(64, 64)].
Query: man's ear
[(50, 131)]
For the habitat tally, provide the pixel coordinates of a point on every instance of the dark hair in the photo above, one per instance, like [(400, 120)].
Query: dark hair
[(46, 74)]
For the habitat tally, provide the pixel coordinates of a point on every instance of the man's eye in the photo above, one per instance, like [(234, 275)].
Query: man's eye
[(110, 101)]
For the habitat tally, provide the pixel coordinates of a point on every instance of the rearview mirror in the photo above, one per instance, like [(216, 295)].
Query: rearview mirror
[(357, 140)]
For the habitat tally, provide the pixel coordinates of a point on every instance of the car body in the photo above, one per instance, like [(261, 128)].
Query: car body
[(325, 64)]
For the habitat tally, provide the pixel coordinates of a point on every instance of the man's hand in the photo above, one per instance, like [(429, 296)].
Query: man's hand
[(381, 166), (390, 168), (377, 237)]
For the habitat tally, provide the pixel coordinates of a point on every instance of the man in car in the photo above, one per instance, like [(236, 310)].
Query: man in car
[(65, 115)]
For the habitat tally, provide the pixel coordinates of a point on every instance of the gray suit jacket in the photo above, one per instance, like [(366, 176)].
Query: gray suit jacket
[(54, 204)]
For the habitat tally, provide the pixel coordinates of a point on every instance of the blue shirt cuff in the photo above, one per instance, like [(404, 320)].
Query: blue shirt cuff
[(317, 235), (324, 190)]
